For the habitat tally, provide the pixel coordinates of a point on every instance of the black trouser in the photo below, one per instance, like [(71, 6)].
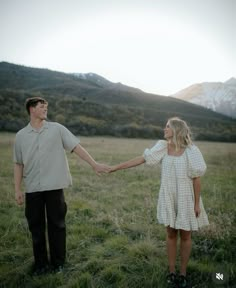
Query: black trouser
[(53, 203)]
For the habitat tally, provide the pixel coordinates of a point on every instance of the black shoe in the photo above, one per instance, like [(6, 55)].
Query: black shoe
[(171, 280), (182, 282), (39, 270)]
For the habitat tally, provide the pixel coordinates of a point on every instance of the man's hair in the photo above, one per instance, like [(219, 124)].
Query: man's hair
[(181, 131), (33, 102)]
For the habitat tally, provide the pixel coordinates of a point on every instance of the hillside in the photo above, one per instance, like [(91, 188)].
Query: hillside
[(217, 96), (91, 107)]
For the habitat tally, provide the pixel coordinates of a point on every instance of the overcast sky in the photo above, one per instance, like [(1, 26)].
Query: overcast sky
[(159, 46)]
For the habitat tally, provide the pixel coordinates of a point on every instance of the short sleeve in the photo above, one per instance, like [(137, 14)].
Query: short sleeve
[(17, 153), (196, 164), (154, 155), (68, 139)]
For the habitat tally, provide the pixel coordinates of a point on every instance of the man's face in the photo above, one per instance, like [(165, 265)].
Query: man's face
[(40, 111)]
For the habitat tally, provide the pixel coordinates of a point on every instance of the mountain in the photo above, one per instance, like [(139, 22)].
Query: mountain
[(89, 104), (217, 96)]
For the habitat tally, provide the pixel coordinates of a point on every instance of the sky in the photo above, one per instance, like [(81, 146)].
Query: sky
[(159, 46)]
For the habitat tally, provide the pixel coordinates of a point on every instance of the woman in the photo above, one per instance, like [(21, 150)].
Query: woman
[(180, 207)]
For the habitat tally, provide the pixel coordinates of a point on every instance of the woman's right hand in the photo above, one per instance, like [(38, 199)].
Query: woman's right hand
[(112, 168)]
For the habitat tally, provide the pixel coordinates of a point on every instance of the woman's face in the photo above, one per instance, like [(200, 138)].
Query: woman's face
[(168, 132)]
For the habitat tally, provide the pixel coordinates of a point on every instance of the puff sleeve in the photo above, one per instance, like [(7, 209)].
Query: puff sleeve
[(154, 155), (196, 164)]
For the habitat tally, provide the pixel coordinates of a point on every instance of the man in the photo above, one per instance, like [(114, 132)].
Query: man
[(39, 157)]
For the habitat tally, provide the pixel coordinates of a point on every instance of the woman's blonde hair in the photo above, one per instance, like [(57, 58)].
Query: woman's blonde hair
[(181, 133)]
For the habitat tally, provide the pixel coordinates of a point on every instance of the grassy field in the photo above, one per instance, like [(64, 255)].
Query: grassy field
[(113, 238)]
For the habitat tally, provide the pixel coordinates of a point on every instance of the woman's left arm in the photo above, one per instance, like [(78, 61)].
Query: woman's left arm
[(197, 191)]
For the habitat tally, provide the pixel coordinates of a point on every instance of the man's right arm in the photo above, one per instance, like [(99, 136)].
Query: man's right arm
[(18, 175)]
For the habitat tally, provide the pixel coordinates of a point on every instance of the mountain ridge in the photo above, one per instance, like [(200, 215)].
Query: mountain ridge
[(88, 107)]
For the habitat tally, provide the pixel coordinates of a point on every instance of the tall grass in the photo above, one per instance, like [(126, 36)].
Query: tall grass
[(113, 238)]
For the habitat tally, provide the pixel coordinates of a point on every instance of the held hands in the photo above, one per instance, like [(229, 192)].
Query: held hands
[(97, 167), (113, 168), (103, 168)]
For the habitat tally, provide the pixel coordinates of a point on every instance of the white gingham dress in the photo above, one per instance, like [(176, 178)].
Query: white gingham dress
[(176, 197)]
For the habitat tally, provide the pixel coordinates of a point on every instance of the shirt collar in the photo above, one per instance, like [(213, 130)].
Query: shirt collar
[(31, 129)]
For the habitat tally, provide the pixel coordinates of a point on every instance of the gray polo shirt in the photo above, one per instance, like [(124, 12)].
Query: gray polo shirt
[(42, 152)]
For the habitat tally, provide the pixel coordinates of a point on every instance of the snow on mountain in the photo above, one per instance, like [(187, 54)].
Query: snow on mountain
[(95, 78), (217, 96), (231, 82)]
